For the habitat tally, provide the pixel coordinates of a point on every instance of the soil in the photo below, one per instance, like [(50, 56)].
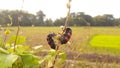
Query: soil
[(94, 57), (89, 57)]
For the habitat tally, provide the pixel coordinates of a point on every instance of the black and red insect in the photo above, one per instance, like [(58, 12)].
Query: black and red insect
[(65, 37), (51, 41)]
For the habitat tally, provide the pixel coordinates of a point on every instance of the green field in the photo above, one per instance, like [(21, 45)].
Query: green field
[(80, 41), (108, 41)]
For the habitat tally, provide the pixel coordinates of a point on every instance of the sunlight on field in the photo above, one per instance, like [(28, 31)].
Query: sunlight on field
[(90, 47), (109, 41), (79, 40)]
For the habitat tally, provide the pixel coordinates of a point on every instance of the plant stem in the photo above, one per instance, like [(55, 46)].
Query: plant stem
[(17, 32), (57, 53), (5, 38), (67, 18), (68, 15)]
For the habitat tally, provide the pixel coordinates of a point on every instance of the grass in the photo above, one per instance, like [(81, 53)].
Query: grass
[(78, 42), (108, 31)]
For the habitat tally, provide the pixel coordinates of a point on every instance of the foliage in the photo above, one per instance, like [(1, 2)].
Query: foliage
[(50, 57), (6, 60), (27, 19), (20, 40), (20, 58), (40, 17), (76, 19), (23, 56), (48, 22), (14, 53)]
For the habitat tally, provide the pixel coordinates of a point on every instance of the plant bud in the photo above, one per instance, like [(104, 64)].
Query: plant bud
[(7, 32), (68, 5), (70, 0)]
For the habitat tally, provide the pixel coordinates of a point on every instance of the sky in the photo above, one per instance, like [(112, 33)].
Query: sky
[(57, 8)]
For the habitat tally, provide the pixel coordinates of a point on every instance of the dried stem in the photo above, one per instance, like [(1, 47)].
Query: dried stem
[(17, 32), (67, 18), (19, 19), (66, 22), (68, 14), (5, 38)]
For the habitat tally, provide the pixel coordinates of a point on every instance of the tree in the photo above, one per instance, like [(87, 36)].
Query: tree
[(76, 19), (109, 19), (4, 17), (59, 22), (99, 20), (40, 17), (27, 19), (48, 22), (80, 19), (87, 20), (117, 22), (105, 20)]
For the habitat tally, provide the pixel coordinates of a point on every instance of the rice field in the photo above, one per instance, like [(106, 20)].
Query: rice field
[(108, 41), (79, 43), (80, 40)]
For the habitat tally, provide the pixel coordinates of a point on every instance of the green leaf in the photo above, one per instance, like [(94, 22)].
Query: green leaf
[(47, 58), (52, 52), (21, 49), (11, 50), (20, 40), (62, 56), (3, 51), (6, 60), (29, 60)]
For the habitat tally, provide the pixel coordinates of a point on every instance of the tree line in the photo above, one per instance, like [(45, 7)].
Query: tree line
[(38, 19)]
